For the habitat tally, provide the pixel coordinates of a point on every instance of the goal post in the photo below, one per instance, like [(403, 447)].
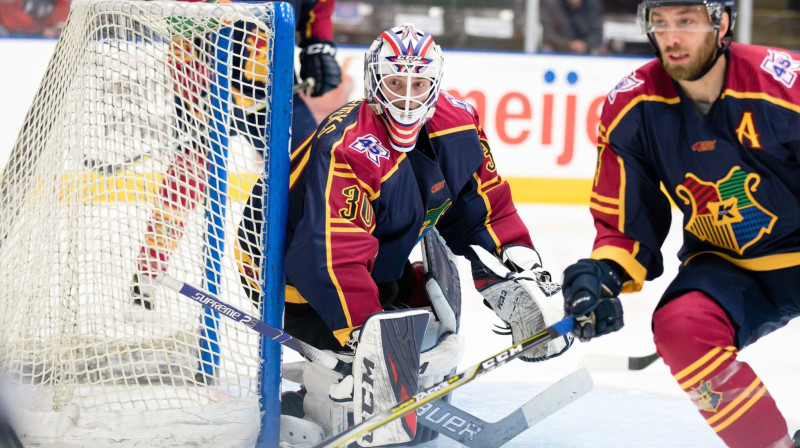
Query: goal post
[(128, 165)]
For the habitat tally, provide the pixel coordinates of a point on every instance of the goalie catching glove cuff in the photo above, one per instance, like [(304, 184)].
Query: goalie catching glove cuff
[(591, 288), (318, 61), (522, 294)]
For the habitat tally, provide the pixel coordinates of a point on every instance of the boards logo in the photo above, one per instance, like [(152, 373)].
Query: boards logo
[(725, 213), (437, 187)]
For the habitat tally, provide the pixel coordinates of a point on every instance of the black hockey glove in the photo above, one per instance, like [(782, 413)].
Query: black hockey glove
[(590, 289), (318, 61), (38, 9)]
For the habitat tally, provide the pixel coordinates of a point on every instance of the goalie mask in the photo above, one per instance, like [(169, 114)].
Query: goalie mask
[(402, 72)]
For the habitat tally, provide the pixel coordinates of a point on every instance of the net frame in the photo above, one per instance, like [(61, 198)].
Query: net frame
[(30, 180)]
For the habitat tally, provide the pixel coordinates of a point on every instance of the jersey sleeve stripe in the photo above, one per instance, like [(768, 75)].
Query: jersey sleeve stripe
[(761, 96)]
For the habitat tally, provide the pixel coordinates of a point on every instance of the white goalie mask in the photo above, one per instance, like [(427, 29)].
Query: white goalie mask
[(402, 73)]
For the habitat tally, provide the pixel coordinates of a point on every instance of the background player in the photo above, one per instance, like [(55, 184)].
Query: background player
[(717, 124), (378, 175), (183, 184)]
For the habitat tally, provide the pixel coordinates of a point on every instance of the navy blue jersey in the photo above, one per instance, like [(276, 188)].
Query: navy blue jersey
[(734, 173), (357, 208)]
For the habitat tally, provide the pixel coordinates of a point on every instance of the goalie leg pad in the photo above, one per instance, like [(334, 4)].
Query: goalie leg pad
[(386, 371), (441, 360), (319, 405), (442, 282), (297, 432)]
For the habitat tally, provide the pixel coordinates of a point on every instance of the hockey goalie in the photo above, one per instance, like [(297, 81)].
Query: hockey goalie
[(379, 175)]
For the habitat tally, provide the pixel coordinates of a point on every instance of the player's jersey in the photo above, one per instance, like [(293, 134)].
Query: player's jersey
[(358, 208), (734, 173), (249, 78)]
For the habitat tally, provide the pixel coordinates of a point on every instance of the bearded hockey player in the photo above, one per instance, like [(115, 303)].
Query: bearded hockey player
[(379, 174), (716, 125)]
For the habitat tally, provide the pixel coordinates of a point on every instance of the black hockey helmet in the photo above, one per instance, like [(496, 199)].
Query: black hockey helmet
[(715, 9)]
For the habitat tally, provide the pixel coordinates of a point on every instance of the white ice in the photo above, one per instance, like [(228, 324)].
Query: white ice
[(625, 409)]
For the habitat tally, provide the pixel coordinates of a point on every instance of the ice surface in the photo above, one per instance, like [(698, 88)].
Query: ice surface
[(625, 409)]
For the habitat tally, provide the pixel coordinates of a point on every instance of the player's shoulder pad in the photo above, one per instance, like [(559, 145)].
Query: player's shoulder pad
[(453, 115), (360, 144), (649, 83), (333, 126), (768, 72)]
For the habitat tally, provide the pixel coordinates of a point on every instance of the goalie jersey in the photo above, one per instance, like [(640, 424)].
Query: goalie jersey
[(734, 172), (357, 208)]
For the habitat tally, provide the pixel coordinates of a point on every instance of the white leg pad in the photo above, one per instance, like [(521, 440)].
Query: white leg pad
[(297, 432)]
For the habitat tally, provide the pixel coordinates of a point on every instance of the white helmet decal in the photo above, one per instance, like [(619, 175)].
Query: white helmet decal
[(402, 73)]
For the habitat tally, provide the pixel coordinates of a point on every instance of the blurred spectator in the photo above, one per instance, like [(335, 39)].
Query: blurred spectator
[(572, 26), (33, 17)]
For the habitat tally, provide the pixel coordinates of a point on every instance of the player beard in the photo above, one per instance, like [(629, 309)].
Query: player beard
[(691, 70)]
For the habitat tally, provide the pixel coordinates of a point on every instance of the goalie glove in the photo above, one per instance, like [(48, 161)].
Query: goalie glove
[(523, 295), (318, 61)]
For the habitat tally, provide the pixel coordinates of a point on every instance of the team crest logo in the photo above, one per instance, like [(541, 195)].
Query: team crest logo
[(781, 66), (432, 217), (458, 103), (369, 145), (706, 398), (725, 214), (627, 84)]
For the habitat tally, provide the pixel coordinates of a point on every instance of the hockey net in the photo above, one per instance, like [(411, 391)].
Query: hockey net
[(123, 169)]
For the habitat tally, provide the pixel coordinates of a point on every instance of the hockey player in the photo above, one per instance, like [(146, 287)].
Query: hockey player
[(183, 185), (381, 173), (717, 126)]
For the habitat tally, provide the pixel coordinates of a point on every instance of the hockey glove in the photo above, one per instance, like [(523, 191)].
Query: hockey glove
[(318, 61), (522, 294), (591, 288)]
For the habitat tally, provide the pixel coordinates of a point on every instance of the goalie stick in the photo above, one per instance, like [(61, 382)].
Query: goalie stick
[(473, 432), (208, 300), (443, 388), (477, 433), (616, 363)]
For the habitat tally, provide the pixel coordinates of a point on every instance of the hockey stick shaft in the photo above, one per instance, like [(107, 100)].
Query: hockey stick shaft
[(208, 300), (473, 432), (445, 387)]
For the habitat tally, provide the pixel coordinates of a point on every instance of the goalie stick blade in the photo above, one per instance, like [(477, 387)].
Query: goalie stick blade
[(617, 363), (473, 432), (208, 300), (443, 388)]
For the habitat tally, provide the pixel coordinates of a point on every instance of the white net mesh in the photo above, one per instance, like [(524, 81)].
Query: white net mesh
[(112, 180)]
